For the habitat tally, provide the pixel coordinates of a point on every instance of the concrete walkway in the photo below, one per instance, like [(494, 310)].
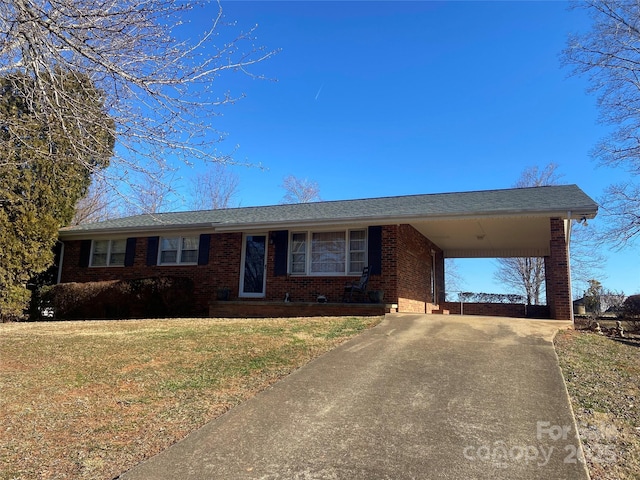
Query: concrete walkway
[(417, 397)]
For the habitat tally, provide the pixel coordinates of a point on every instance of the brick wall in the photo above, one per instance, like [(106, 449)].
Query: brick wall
[(516, 310), (405, 265), (415, 263), (222, 271), (557, 273)]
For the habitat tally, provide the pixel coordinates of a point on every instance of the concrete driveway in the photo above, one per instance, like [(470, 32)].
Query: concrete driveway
[(417, 397)]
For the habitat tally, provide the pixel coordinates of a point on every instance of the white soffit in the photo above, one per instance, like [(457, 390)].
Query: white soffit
[(489, 237)]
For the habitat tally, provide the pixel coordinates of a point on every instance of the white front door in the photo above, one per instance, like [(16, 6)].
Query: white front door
[(253, 276)]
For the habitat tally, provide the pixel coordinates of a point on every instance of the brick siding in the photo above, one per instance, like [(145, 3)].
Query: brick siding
[(415, 255), (405, 272), (222, 271), (557, 273)]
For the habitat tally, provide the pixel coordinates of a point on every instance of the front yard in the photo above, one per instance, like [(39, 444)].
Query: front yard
[(89, 400)]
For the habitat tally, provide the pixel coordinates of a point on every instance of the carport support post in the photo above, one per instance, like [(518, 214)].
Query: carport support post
[(557, 273)]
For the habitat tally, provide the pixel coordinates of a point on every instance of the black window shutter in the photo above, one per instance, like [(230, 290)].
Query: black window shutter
[(281, 244), (85, 253), (152, 250), (375, 250), (203, 249), (130, 252)]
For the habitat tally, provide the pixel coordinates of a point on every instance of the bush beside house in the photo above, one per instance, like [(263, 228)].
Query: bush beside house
[(158, 297)]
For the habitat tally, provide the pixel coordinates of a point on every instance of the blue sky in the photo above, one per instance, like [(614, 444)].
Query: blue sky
[(392, 98)]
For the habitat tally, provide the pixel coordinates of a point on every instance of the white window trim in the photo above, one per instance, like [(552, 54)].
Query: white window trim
[(309, 234), (179, 252), (108, 263)]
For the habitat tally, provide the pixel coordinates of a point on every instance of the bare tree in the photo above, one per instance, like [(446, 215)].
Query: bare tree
[(97, 205), (155, 193), (158, 84), (300, 190), (586, 256), (621, 206), (609, 55), (215, 188), (527, 274), (536, 177), (453, 279)]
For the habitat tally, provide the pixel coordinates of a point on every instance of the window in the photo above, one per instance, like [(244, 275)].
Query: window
[(108, 253), (176, 250), (328, 253), (298, 253), (357, 251)]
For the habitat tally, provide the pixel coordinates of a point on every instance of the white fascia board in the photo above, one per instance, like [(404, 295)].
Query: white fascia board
[(134, 231), (209, 227), (387, 220)]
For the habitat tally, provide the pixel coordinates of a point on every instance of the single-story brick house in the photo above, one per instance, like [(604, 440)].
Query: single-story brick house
[(260, 254)]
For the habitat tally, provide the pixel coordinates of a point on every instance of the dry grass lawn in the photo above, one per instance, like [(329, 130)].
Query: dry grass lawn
[(89, 400), (603, 379)]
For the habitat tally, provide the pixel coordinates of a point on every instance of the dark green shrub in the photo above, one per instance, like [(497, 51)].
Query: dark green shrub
[(631, 312), (158, 297), (631, 307)]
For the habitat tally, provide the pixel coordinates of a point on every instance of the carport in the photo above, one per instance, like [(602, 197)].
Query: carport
[(527, 223)]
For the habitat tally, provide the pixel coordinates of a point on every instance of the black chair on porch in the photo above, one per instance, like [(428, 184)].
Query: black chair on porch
[(356, 287)]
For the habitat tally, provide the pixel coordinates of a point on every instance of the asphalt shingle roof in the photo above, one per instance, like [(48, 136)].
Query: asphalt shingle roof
[(518, 201)]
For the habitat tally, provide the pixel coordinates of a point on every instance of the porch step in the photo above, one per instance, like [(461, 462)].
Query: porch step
[(440, 311), (436, 309)]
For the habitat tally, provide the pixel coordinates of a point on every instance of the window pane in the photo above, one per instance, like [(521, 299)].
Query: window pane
[(169, 257), (328, 252), (118, 249), (189, 250), (190, 243), (298, 264), (357, 250), (169, 243), (298, 253), (189, 256), (116, 259), (357, 262), (100, 249), (357, 240), (169, 249)]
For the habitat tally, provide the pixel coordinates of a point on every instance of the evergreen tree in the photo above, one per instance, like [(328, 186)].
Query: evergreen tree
[(42, 174)]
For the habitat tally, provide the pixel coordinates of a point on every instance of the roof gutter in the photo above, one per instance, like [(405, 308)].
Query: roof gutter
[(391, 220), (586, 212), (84, 233)]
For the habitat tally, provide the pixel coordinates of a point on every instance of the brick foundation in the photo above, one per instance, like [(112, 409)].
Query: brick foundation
[(257, 309)]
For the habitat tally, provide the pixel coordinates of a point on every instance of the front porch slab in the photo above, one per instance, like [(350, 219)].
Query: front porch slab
[(264, 309)]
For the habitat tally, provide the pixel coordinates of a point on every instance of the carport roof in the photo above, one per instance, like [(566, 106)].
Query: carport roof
[(432, 214)]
